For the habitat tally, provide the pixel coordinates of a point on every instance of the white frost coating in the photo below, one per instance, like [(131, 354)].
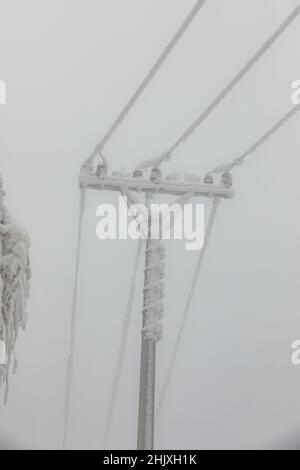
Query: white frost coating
[(154, 291), (154, 162), (15, 275)]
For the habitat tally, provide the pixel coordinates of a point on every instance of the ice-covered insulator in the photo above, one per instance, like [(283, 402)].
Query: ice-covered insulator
[(156, 175), (101, 171), (138, 173), (226, 179), (209, 179)]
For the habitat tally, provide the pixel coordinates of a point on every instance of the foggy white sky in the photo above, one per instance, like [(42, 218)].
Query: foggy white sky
[(69, 67)]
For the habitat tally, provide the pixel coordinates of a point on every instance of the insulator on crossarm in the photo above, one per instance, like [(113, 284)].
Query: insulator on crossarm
[(209, 179), (138, 173), (226, 179), (156, 175), (101, 171)]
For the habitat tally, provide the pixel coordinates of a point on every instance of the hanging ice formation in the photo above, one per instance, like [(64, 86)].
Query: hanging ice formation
[(15, 274)]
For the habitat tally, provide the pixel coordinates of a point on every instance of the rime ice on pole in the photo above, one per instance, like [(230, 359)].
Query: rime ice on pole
[(15, 275)]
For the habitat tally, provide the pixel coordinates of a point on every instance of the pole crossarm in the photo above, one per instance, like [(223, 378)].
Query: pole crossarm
[(118, 183)]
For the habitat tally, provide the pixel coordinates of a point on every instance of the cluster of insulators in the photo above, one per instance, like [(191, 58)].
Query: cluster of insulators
[(226, 179), (156, 176), (154, 291)]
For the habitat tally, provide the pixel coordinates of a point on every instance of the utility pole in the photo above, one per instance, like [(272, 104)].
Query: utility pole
[(145, 440), (151, 333), (154, 270)]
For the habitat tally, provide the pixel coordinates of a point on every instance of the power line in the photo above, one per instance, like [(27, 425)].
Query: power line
[(70, 366), (244, 71), (267, 135), (155, 68), (124, 340), (210, 225), (261, 141)]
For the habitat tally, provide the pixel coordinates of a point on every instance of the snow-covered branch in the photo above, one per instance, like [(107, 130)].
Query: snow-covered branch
[(15, 275)]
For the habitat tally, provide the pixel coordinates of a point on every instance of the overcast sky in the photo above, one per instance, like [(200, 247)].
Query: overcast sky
[(69, 67)]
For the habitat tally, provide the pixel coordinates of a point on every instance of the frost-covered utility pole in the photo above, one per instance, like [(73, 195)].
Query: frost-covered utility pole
[(148, 180), (151, 333)]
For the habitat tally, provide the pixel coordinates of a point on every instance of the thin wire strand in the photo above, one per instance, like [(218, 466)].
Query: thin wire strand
[(124, 341), (187, 22), (210, 225), (70, 366), (244, 71), (266, 136), (259, 143)]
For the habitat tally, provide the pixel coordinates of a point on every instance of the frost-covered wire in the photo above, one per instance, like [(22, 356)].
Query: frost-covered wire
[(15, 276), (124, 340), (187, 308), (244, 71), (261, 141), (70, 366), (179, 33)]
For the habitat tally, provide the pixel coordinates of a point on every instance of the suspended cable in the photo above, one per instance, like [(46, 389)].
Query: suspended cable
[(187, 308), (191, 16), (124, 340), (261, 141), (70, 366), (244, 71)]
